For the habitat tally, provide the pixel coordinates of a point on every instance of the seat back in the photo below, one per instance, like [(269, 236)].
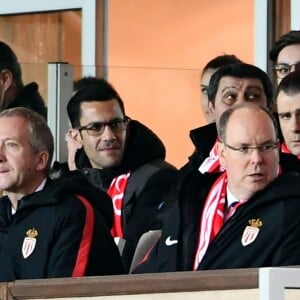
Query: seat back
[(146, 242)]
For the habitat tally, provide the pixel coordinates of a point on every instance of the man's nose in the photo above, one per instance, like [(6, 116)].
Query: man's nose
[(295, 123), (240, 99), (108, 134), (2, 154), (256, 156)]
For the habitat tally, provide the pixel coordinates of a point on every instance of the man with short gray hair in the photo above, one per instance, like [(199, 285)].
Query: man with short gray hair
[(48, 228)]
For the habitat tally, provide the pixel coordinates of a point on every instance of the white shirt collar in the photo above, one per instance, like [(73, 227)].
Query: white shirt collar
[(230, 197), (39, 188)]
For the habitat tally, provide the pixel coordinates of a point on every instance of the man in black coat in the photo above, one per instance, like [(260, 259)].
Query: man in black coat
[(246, 216), (231, 85), (13, 92), (48, 229), (122, 157)]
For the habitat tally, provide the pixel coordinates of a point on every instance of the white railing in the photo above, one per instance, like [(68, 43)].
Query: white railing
[(274, 281)]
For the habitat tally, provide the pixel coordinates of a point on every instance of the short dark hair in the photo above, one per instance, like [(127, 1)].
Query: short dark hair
[(98, 90), (222, 60), (241, 70), (290, 38), (39, 134), (9, 61), (290, 84), (224, 119), (84, 82)]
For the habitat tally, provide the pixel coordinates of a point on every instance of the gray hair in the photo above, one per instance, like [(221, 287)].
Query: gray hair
[(39, 134)]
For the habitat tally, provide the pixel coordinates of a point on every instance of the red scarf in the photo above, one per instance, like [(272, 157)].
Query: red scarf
[(116, 192), (214, 215), (285, 149), (211, 164), (212, 218)]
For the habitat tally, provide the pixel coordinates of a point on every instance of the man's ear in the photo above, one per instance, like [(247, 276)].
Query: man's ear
[(221, 154), (75, 136), (42, 160), (211, 111), (6, 79)]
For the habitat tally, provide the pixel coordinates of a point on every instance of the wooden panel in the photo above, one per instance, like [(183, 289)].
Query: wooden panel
[(135, 284), (282, 17)]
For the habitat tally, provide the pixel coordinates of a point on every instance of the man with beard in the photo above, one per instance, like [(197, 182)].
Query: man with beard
[(122, 157)]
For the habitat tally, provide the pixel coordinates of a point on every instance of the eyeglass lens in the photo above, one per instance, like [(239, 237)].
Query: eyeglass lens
[(283, 69)]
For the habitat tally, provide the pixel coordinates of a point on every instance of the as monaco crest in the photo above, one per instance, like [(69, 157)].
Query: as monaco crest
[(251, 232), (29, 242)]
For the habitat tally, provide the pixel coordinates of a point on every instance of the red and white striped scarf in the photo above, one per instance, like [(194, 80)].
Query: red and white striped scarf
[(285, 149), (116, 192), (212, 218), (211, 164), (214, 215)]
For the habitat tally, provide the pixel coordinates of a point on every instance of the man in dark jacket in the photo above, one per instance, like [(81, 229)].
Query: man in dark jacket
[(48, 229), (122, 157), (231, 85), (288, 109), (244, 217), (13, 93)]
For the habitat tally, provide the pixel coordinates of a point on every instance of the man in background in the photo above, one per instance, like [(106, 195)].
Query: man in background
[(230, 85), (285, 54), (210, 68), (13, 92), (288, 109)]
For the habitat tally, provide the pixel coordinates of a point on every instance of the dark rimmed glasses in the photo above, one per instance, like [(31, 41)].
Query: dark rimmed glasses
[(97, 128), (247, 149), (282, 69)]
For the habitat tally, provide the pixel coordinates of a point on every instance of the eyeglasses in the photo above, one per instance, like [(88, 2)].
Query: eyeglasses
[(97, 128), (246, 149), (282, 69)]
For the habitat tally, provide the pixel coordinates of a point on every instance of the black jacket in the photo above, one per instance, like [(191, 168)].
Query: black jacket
[(55, 234), (147, 186), (277, 243), (204, 139), (29, 97)]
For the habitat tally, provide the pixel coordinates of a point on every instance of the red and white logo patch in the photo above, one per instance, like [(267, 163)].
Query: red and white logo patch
[(249, 235), (251, 232), (28, 246), (29, 242)]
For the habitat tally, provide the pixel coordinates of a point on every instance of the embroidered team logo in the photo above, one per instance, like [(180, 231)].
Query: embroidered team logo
[(29, 242), (251, 232)]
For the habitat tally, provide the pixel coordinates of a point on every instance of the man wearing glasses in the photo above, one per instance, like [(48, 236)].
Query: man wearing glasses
[(246, 216), (286, 54), (122, 157), (230, 85)]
